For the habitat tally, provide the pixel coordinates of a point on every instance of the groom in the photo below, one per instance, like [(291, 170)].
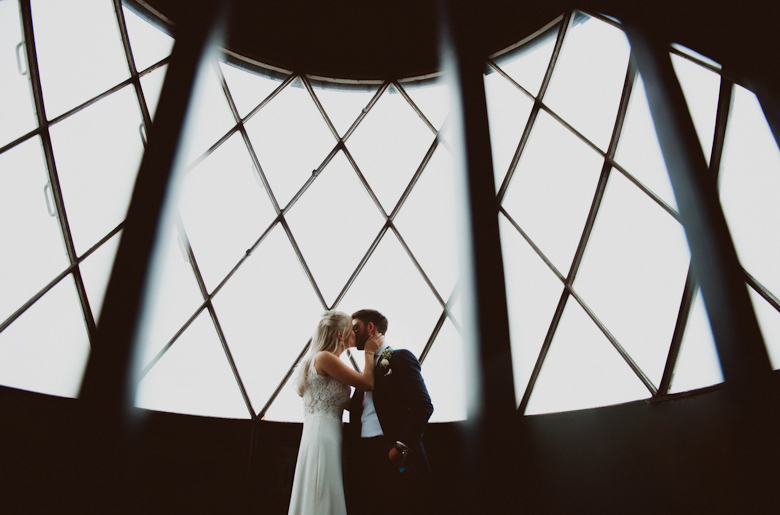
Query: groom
[(389, 471)]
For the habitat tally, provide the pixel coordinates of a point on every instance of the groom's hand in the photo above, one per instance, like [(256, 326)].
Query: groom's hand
[(398, 455)]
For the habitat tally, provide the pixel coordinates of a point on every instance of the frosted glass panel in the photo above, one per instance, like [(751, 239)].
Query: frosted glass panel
[(638, 149), (193, 377), (552, 190), (528, 64), (769, 321), (343, 106), (588, 79), (32, 251), (291, 139), (389, 146), (428, 228), (151, 84), (334, 224), (532, 294), (633, 273), (224, 208), (98, 152), (268, 311), (508, 111), (247, 89), (15, 97), (444, 372), (701, 88), (78, 44), (46, 349), (174, 298), (432, 100), (390, 284), (149, 44), (750, 187), (96, 271), (582, 369), (697, 364)]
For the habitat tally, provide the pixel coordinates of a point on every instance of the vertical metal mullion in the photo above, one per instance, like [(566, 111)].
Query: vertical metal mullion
[(120, 17), (48, 151), (691, 283), (740, 345), (689, 294)]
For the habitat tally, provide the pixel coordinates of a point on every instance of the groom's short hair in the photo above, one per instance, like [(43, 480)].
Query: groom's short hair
[(374, 316)]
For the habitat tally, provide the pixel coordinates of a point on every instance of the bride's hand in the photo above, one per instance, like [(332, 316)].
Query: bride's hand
[(374, 343)]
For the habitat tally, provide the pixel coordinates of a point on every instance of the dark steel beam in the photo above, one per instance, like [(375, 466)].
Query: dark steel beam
[(491, 455), (741, 349)]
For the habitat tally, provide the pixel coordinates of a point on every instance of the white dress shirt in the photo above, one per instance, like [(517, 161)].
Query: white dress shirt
[(369, 420)]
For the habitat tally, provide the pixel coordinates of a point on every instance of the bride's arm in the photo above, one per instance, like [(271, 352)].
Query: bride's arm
[(330, 364)]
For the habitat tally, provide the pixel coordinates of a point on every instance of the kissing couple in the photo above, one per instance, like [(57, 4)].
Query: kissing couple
[(388, 471)]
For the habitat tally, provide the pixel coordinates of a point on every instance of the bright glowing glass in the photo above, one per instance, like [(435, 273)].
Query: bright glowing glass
[(98, 152), (334, 224), (701, 88), (32, 251), (588, 78), (633, 273), (247, 89)]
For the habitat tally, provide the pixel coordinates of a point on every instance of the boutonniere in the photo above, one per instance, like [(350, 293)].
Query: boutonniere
[(384, 360)]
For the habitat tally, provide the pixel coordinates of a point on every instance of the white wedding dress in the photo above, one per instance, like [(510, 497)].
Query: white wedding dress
[(318, 487)]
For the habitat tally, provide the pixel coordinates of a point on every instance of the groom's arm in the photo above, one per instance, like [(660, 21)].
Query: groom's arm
[(415, 396)]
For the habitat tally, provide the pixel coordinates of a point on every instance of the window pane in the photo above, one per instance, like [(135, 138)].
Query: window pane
[(174, 298), (392, 285), (247, 89), (98, 151), (508, 111), (210, 117), (96, 271), (224, 208), (582, 369), (334, 224), (769, 321), (532, 294), (444, 373), (432, 99), (291, 139), (344, 105), (78, 44), (32, 251), (46, 349), (427, 222), (697, 364), (15, 100), (152, 83), (268, 311), (588, 78), (149, 44), (633, 273), (552, 190), (701, 88), (528, 63), (389, 146), (639, 152), (750, 187), (193, 377)]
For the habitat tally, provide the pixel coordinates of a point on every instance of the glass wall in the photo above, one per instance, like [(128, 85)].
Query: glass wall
[(301, 195)]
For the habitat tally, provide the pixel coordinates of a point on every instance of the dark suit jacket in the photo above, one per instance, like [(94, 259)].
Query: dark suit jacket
[(403, 407)]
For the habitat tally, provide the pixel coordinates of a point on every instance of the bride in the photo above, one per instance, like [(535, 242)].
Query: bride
[(323, 381)]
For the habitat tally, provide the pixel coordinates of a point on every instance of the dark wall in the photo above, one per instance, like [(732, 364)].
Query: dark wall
[(703, 453)]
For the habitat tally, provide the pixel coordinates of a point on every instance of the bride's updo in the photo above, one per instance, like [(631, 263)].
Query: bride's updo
[(325, 338)]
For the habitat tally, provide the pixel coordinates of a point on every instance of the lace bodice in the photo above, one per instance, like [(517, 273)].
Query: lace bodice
[(324, 395)]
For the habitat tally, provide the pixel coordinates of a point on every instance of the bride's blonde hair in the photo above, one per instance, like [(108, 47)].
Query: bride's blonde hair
[(325, 338)]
